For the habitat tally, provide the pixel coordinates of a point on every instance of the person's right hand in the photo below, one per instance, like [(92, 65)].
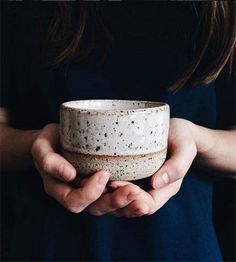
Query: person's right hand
[(56, 172)]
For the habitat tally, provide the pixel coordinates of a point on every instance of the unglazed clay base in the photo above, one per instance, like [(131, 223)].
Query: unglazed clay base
[(120, 167)]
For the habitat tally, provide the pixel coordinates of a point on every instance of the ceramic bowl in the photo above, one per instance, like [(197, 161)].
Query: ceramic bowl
[(127, 138)]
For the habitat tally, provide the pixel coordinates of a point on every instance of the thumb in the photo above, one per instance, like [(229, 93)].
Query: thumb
[(182, 154)]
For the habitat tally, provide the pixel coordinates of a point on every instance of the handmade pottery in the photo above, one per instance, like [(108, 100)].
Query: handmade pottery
[(127, 138)]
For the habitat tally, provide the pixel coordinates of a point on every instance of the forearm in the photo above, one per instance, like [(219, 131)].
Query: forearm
[(15, 148), (216, 148)]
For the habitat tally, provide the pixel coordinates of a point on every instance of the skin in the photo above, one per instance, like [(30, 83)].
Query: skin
[(211, 149)]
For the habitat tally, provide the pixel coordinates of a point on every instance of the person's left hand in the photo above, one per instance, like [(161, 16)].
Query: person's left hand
[(129, 200)]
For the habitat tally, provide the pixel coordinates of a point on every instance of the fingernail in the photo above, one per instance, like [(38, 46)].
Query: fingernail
[(102, 180), (161, 180)]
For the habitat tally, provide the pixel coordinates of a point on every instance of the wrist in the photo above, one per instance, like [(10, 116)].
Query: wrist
[(205, 138), (27, 137)]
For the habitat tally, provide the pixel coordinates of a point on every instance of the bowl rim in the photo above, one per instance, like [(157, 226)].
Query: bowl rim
[(156, 106)]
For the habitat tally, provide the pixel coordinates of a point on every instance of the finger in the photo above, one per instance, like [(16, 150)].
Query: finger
[(162, 195), (182, 156), (50, 137), (76, 200), (47, 160), (116, 184), (112, 201), (147, 205), (80, 182), (141, 206), (135, 209)]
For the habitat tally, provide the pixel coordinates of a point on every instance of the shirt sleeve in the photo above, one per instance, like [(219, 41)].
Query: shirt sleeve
[(226, 99)]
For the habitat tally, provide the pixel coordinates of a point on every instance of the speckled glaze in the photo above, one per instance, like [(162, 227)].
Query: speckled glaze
[(127, 138)]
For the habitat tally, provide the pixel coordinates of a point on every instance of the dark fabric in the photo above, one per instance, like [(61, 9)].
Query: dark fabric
[(153, 43), (224, 194)]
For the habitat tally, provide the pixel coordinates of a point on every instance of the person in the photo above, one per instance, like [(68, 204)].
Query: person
[(162, 51)]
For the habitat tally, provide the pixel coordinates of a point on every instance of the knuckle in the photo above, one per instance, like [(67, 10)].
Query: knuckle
[(46, 162), (47, 189), (192, 149), (60, 175), (95, 212), (141, 210), (132, 189), (176, 172), (151, 211), (116, 202), (176, 189), (35, 146), (74, 205), (136, 189), (92, 196), (73, 208), (51, 126)]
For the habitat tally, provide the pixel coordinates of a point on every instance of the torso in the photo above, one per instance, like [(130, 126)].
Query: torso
[(146, 58)]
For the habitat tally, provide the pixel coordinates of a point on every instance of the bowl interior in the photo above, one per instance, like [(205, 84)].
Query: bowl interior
[(110, 105)]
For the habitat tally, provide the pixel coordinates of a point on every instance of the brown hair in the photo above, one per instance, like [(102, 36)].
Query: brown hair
[(214, 48)]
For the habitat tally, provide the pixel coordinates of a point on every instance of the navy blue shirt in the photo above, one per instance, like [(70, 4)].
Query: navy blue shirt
[(153, 44)]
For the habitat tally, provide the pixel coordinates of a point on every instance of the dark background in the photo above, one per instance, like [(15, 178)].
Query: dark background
[(224, 201)]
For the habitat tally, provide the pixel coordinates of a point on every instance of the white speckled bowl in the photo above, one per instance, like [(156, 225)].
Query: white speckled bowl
[(127, 138)]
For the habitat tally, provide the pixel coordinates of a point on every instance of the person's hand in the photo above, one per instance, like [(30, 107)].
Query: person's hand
[(127, 199), (182, 150), (56, 172), (61, 183), (166, 182)]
